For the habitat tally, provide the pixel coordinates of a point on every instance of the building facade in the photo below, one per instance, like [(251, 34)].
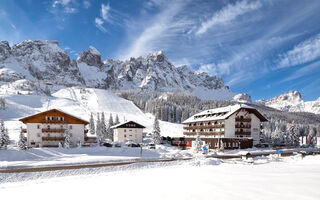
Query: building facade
[(228, 127), (47, 129), (128, 132)]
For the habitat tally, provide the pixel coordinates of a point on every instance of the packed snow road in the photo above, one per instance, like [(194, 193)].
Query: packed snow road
[(262, 178)]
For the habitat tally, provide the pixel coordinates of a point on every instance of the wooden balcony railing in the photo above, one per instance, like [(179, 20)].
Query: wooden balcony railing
[(204, 133), (52, 130), (204, 126), (243, 133), (53, 138), (238, 119), (53, 122), (242, 126)]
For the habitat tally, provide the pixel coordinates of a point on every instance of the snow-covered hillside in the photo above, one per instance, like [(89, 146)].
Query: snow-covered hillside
[(80, 102), (45, 60), (292, 101)]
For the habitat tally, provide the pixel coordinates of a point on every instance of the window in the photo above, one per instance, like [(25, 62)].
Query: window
[(61, 127), (47, 118), (48, 127), (125, 130), (38, 126), (125, 135), (62, 118), (70, 127), (130, 135)]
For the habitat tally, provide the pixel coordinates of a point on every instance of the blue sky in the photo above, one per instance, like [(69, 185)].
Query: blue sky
[(260, 47)]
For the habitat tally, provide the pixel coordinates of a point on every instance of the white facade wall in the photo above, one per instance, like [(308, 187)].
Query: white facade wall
[(255, 129), (35, 134), (128, 134), (230, 127)]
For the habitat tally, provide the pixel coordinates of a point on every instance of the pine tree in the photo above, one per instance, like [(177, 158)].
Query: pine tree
[(117, 120), (221, 145), (156, 133), (92, 125), (98, 130), (103, 126), (67, 138), (110, 130), (4, 136), (198, 143), (22, 142)]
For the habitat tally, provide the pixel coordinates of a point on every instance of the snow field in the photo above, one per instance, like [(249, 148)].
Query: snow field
[(292, 178)]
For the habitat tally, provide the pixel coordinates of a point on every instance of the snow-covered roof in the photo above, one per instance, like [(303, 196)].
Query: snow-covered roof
[(221, 113), (25, 118), (127, 125)]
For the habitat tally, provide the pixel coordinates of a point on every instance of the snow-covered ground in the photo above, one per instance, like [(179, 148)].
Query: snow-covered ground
[(79, 102), (41, 157), (265, 178)]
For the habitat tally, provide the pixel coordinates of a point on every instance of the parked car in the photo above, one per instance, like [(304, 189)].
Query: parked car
[(151, 146), (117, 144), (262, 145), (132, 144), (107, 144)]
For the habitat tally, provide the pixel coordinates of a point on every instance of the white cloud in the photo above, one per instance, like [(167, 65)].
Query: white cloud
[(86, 4), (156, 32), (304, 71), (67, 6), (70, 10), (105, 11), (306, 51), (228, 14), (99, 24)]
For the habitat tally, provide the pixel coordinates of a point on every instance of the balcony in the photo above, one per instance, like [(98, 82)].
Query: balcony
[(245, 133), (203, 133), (53, 122), (51, 130), (242, 126), (53, 138), (204, 126), (239, 119)]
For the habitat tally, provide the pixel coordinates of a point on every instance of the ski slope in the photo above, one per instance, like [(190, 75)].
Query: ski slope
[(80, 102)]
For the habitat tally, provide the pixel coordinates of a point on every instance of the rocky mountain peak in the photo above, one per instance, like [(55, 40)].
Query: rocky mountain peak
[(92, 57), (291, 95), (5, 50), (244, 97)]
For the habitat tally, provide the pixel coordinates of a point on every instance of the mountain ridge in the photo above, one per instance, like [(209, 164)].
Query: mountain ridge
[(44, 60)]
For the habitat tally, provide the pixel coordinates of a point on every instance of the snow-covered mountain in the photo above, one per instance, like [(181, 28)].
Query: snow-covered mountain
[(78, 101), (46, 61), (292, 101)]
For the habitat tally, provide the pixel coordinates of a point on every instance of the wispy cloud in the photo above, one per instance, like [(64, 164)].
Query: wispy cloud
[(105, 9), (86, 4), (99, 24), (228, 14), (305, 51), (303, 71), (67, 6), (158, 31), (105, 16)]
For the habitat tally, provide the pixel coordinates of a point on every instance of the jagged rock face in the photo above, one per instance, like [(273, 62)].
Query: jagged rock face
[(45, 60), (242, 97), (5, 50), (92, 57), (292, 101)]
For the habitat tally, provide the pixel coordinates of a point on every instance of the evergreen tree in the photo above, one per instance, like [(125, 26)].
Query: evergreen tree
[(198, 143), (98, 130), (117, 120), (294, 136), (156, 133), (4, 136), (67, 138), (103, 126), (92, 125), (221, 145), (22, 142), (110, 130)]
